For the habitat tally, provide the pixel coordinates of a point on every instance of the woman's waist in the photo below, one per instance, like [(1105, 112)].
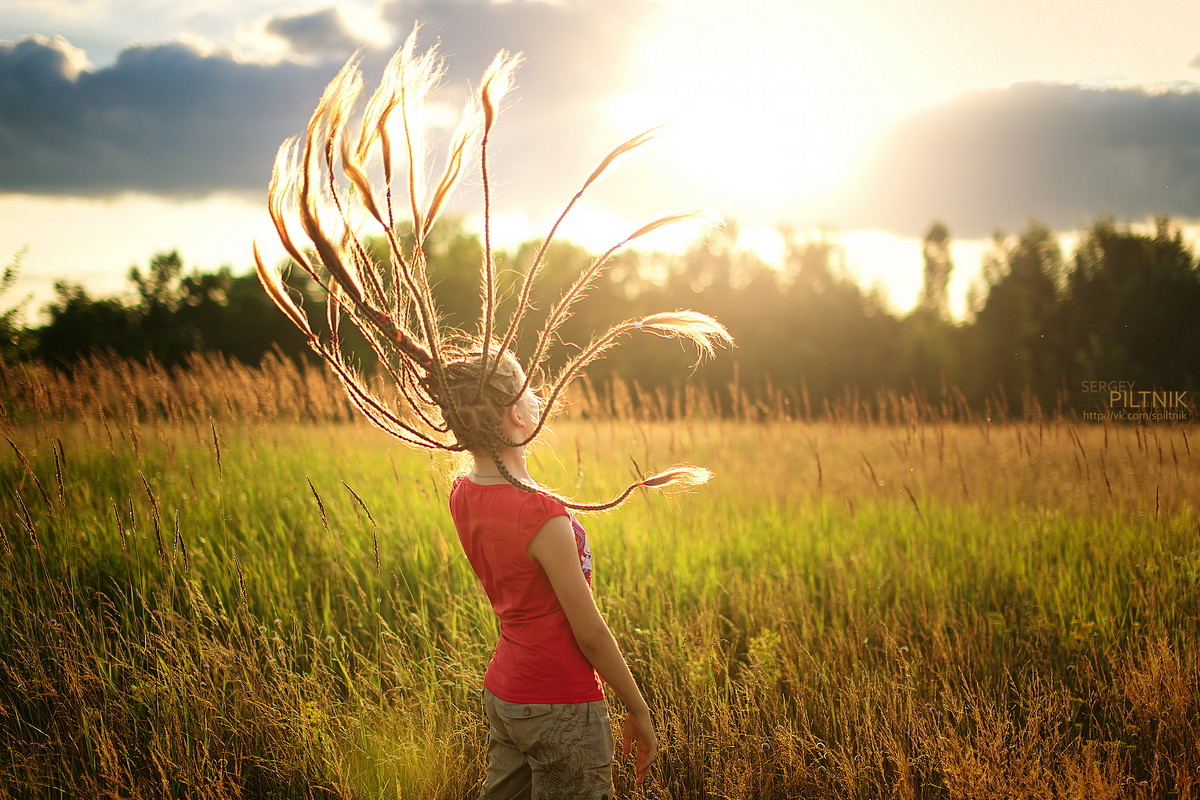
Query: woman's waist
[(542, 675)]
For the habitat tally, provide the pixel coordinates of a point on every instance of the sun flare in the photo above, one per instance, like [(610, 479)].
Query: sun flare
[(763, 113)]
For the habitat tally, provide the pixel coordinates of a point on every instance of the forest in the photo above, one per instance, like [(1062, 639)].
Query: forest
[(1045, 331)]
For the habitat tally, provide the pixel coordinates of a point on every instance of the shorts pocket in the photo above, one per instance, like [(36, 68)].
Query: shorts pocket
[(519, 711)]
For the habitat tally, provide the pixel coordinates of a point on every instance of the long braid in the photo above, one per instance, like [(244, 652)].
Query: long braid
[(453, 389), (474, 418), (505, 473)]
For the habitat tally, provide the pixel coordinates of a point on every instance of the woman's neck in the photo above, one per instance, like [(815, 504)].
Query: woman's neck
[(485, 468)]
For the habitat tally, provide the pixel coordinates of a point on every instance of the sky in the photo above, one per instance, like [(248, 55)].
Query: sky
[(134, 127)]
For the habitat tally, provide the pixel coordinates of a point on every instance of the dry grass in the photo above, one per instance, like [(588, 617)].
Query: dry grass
[(197, 604), (210, 386)]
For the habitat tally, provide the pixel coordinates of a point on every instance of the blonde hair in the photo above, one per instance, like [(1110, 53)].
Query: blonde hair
[(452, 385)]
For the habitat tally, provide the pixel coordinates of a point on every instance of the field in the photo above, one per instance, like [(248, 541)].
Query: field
[(204, 602)]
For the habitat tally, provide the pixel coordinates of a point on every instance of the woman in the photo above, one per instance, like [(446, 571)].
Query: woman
[(466, 393), (549, 733)]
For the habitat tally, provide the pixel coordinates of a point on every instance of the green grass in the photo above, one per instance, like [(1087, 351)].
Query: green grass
[(847, 611)]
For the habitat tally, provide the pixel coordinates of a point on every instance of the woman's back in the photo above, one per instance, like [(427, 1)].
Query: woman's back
[(537, 659)]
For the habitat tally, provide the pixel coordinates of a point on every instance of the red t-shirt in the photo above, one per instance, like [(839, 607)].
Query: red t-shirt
[(537, 659)]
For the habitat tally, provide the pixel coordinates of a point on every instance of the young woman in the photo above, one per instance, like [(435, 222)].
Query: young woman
[(549, 730), (549, 733)]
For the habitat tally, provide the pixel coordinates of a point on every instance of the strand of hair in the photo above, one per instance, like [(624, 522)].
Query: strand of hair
[(561, 310), (363, 397), (485, 370), (589, 354), (522, 305), (497, 80)]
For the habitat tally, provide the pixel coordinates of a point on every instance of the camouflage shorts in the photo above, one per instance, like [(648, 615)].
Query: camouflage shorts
[(548, 751)]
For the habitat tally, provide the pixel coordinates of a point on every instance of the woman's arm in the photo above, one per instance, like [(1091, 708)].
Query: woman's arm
[(553, 546)]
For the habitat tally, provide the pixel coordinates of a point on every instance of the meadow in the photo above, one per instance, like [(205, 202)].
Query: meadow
[(219, 584)]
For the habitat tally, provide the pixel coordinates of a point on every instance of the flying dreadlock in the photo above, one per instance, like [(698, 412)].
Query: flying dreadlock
[(452, 387)]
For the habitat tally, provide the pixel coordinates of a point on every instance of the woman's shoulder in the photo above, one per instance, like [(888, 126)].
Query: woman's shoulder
[(507, 494), (550, 505)]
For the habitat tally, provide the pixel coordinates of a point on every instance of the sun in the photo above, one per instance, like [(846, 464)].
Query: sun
[(765, 109), (747, 143)]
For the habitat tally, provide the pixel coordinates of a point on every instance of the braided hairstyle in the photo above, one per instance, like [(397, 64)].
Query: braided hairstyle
[(452, 386)]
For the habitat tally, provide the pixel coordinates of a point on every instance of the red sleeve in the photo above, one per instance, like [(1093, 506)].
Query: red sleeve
[(534, 513)]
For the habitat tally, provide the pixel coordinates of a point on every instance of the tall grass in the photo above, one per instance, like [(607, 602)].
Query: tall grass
[(197, 605), (212, 386), (208, 386)]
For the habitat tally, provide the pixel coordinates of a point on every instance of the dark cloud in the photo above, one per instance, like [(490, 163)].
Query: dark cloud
[(1062, 154), (321, 33), (163, 119), (168, 119)]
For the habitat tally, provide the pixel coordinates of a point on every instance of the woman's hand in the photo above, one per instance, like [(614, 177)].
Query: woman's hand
[(638, 734)]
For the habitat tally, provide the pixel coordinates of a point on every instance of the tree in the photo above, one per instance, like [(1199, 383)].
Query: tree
[(1119, 308), (931, 342), (825, 335), (1017, 334), (173, 316), (80, 325), (12, 341), (161, 292), (938, 266), (236, 318), (1128, 308)]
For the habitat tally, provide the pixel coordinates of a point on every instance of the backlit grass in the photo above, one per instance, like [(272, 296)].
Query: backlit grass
[(219, 609)]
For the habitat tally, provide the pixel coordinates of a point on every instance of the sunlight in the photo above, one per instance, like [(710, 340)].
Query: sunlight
[(37, 224), (896, 265), (763, 113), (593, 228), (364, 20), (881, 259), (765, 243)]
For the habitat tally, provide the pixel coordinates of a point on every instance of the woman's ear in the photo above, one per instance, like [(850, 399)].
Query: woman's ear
[(514, 416)]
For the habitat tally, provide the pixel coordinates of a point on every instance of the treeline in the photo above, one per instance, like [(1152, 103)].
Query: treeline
[(1121, 307), (166, 315)]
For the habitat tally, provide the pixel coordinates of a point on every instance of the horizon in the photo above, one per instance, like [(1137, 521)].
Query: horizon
[(146, 128)]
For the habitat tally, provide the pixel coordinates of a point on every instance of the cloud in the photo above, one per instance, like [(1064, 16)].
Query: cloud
[(172, 119), (1063, 154), (577, 57), (581, 48), (164, 119), (321, 33)]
